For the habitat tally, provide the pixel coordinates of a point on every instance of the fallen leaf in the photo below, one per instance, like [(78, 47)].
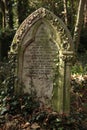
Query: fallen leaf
[(35, 126)]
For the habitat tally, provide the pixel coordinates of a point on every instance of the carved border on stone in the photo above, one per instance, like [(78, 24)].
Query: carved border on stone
[(41, 13), (69, 57)]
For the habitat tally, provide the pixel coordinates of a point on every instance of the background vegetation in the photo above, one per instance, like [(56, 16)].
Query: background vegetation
[(13, 12)]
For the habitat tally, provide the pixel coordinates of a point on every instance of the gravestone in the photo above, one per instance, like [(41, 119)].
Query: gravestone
[(43, 52)]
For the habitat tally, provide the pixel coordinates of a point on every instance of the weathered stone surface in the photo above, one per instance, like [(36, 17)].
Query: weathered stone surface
[(38, 62), (43, 49)]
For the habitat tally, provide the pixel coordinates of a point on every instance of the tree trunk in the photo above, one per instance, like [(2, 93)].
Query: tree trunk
[(85, 15), (0, 51), (65, 11), (10, 13), (78, 25), (2, 5), (71, 17)]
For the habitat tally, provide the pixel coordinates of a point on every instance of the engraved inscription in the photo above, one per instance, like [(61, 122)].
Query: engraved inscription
[(38, 60), (38, 63)]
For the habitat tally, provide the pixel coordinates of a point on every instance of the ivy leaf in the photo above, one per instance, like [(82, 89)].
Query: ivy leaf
[(4, 111)]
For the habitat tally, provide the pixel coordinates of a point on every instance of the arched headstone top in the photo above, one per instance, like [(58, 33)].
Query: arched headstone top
[(56, 22)]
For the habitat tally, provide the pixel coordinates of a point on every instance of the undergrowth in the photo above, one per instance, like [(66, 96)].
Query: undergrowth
[(26, 112)]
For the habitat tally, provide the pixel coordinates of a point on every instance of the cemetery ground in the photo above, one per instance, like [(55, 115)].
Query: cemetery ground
[(25, 112)]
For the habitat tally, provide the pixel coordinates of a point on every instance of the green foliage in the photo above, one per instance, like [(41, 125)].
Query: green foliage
[(15, 104), (79, 69), (7, 72)]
